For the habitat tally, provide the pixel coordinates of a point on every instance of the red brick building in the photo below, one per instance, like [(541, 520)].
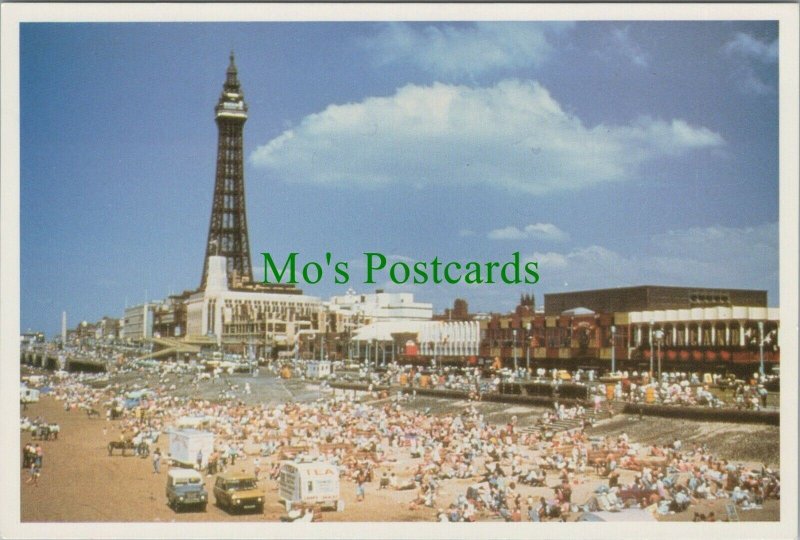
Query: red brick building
[(688, 328)]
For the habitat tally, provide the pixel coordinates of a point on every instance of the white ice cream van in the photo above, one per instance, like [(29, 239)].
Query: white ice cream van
[(310, 483), (185, 445)]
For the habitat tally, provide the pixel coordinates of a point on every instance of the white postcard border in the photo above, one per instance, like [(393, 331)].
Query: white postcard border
[(15, 13)]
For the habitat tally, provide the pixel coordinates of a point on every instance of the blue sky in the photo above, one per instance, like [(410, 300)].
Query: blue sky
[(613, 153)]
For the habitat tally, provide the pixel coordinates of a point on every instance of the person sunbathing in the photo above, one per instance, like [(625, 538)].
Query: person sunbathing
[(534, 477), (407, 485)]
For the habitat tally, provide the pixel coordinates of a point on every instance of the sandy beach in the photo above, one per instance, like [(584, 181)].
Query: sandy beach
[(80, 482)]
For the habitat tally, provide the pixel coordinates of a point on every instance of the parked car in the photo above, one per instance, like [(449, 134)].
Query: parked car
[(238, 491), (185, 488)]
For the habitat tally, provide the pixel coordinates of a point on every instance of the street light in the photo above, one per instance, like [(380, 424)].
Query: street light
[(761, 348), (514, 345), (659, 335), (349, 344), (528, 348), (613, 342), (651, 348)]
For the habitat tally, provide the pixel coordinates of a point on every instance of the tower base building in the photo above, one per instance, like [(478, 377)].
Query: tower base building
[(243, 321)]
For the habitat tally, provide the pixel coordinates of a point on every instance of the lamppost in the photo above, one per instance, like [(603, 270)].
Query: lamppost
[(613, 343), (761, 348), (324, 346), (659, 335), (528, 348), (651, 348), (349, 344), (514, 346)]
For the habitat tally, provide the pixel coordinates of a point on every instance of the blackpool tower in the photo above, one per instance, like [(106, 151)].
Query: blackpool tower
[(227, 232)]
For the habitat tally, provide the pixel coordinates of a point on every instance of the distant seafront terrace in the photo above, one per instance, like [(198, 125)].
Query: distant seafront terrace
[(356, 326)]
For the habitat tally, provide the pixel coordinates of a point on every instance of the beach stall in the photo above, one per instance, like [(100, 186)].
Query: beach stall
[(28, 395), (318, 369)]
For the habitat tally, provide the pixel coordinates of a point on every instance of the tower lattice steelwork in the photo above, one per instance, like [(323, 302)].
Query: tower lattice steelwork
[(227, 232)]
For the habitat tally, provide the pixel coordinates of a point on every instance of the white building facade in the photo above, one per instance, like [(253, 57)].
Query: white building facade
[(433, 338), (459, 338), (250, 318), (381, 306), (138, 322), (718, 326)]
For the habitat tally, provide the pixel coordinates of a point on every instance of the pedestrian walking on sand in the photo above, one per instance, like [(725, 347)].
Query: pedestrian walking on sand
[(26, 453), (157, 461), (360, 480), (763, 393), (34, 477)]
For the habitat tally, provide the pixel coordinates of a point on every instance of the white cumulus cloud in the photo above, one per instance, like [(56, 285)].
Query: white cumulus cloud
[(550, 260), (750, 83), (739, 257), (754, 57), (463, 50), (746, 45), (512, 135), (624, 45), (748, 246), (536, 231)]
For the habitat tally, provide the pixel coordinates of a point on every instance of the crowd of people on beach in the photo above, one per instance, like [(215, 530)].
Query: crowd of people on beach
[(687, 389), (503, 471), (662, 478), (671, 388)]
